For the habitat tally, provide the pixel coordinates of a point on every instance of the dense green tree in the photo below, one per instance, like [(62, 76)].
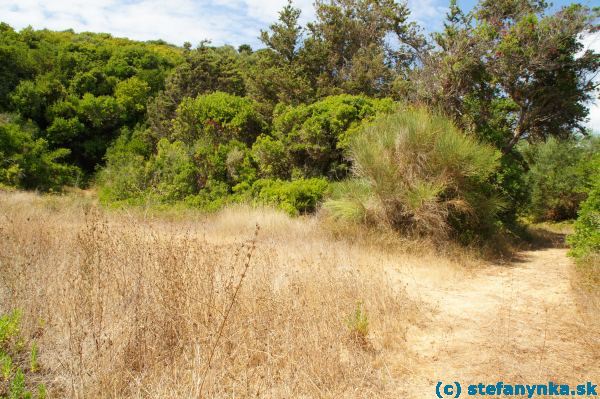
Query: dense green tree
[(27, 162), (312, 138), (204, 70), (16, 63), (559, 176), (353, 35), (285, 35), (80, 89), (509, 70)]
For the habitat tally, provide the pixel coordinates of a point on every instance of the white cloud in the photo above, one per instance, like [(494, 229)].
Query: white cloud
[(428, 13), (176, 21)]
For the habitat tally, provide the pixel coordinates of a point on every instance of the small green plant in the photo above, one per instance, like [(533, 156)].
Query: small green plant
[(358, 324), (42, 392), (17, 386), (33, 358), (14, 370), (5, 365), (9, 327)]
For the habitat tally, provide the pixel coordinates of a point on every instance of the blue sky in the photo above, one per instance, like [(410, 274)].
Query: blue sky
[(176, 21), (222, 21)]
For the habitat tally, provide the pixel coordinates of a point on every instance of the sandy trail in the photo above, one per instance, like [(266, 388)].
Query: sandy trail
[(515, 323)]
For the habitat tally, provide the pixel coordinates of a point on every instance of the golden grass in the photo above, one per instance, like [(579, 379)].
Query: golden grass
[(140, 303), (123, 304)]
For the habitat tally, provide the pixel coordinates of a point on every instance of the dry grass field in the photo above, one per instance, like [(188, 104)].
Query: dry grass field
[(251, 303)]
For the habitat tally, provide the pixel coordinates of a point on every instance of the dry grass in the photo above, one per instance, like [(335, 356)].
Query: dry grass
[(134, 304), (131, 305)]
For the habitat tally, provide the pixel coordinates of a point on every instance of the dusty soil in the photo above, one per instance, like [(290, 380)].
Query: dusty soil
[(514, 323)]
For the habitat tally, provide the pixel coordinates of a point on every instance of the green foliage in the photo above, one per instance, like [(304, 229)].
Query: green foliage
[(132, 96), (29, 163), (509, 70), (417, 173), (33, 358), (9, 327), (216, 118), (295, 197), (15, 374), (272, 157), (204, 70), (125, 176), (172, 172), (558, 177), (315, 136), (32, 98), (80, 89), (16, 63), (585, 242)]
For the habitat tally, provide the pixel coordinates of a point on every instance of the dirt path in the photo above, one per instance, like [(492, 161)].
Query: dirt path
[(516, 323)]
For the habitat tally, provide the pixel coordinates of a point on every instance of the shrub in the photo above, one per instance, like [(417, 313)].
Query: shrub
[(125, 176), (272, 157), (295, 197), (417, 173), (132, 95), (27, 162), (172, 171), (217, 118), (315, 136), (585, 242), (558, 177), (229, 163)]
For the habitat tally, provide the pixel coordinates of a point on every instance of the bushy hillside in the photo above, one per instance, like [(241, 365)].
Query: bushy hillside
[(151, 123)]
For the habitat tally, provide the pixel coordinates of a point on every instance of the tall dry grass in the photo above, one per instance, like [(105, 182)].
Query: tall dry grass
[(130, 305)]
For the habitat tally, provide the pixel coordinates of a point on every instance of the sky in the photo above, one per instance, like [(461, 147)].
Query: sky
[(232, 22)]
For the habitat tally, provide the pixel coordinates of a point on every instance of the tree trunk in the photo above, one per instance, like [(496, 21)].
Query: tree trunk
[(517, 133), (515, 138)]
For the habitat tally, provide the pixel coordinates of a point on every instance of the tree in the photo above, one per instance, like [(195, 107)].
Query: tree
[(353, 34), (511, 71), (205, 70), (285, 35), (277, 74), (533, 60)]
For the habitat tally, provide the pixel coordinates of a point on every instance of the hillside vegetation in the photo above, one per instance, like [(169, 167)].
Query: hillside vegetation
[(148, 123), (300, 219)]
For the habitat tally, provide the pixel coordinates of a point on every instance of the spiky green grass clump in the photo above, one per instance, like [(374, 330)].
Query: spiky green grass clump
[(416, 172)]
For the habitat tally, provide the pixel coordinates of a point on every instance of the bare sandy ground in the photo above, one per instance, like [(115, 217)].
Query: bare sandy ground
[(516, 323)]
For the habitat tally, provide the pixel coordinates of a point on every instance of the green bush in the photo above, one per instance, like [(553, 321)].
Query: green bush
[(295, 197), (125, 176), (585, 242), (557, 177), (132, 96), (315, 136), (272, 157), (172, 172), (216, 118), (417, 173), (229, 163), (27, 162)]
